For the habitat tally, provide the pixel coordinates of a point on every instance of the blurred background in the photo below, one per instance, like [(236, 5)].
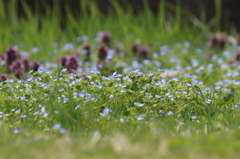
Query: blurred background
[(227, 10)]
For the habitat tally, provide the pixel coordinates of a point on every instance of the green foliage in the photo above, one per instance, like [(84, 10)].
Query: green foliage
[(128, 113)]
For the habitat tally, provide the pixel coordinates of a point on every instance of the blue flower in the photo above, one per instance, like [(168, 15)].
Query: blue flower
[(23, 116), (194, 117), (16, 131), (121, 90), (138, 104), (111, 97), (208, 101), (160, 112), (57, 126), (105, 111), (170, 113), (140, 118), (181, 122), (122, 120)]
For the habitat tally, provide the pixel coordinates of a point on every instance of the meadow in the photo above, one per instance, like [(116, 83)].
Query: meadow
[(121, 85)]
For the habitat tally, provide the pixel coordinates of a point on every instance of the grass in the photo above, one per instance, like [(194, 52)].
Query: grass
[(140, 111)]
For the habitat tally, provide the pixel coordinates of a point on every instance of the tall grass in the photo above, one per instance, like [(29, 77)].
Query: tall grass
[(39, 30)]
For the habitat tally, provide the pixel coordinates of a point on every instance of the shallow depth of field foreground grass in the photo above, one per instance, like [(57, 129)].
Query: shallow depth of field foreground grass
[(177, 96)]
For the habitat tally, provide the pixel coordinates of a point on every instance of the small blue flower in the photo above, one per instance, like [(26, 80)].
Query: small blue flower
[(168, 93), (57, 126), (23, 116), (81, 94), (62, 89), (99, 86), (54, 79), (144, 87), (105, 111), (122, 120), (111, 97), (188, 84), (47, 71), (150, 74), (45, 86), (208, 101), (184, 92), (62, 130), (121, 90), (194, 117), (68, 46), (181, 122), (16, 131), (160, 112), (175, 79), (160, 70), (170, 113), (140, 118), (138, 104), (45, 115)]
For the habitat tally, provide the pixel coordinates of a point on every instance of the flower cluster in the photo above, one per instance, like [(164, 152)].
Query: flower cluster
[(17, 64)]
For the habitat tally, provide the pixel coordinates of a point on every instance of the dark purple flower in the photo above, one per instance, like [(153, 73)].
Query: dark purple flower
[(3, 77), (143, 52), (218, 41), (135, 48), (18, 73), (104, 37), (26, 64), (18, 64), (11, 54), (72, 63), (102, 52), (35, 66), (238, 57), (63, 60), (86, 51)]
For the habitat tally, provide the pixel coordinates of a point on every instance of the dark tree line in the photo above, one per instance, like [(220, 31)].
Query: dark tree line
[(230, 8)]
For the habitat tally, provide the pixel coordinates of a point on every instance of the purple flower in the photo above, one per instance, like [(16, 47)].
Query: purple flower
[(135, 48), (86, 51), (102, 52), (3, 77), (11, 54), (217, 41), (238, 55), (143, 52), (35, 66), (104, 37)]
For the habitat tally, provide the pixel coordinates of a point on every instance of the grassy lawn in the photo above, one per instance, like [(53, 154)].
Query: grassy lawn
[(123, 85)]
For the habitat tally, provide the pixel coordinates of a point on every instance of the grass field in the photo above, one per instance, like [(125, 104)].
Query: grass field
[(176, 96)]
